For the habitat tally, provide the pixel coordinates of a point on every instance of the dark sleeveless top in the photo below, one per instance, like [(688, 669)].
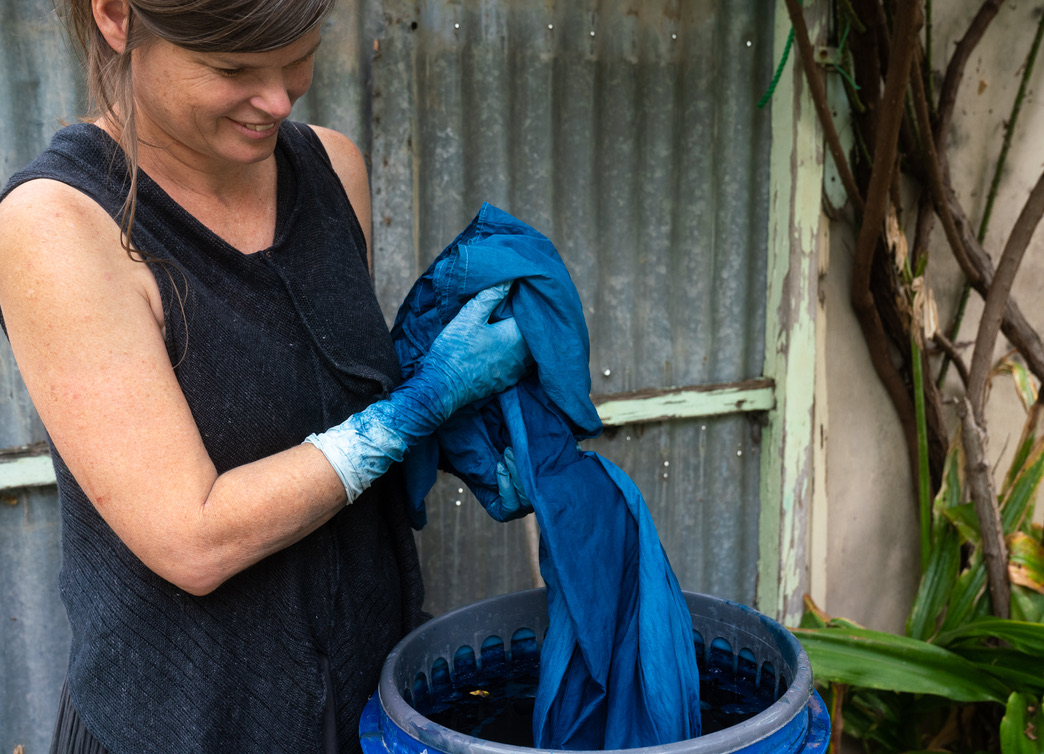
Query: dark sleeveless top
[(268, 348)]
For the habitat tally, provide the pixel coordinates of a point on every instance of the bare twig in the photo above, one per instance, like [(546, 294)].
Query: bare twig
[(955, 69), (935, 162), (953, 354), (999, 293), (921, 126), (815, 84), (980, 484), (889, 119), (1015, 327), (1009, 129)]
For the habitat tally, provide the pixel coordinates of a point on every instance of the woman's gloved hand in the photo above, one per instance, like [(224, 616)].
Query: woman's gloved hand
[(513, 502), (472, 358)]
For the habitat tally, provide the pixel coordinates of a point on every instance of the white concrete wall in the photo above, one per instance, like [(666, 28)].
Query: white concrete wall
[(869, 540)]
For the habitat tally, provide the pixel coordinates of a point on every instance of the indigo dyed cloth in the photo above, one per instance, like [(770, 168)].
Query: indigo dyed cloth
[(618, 667)]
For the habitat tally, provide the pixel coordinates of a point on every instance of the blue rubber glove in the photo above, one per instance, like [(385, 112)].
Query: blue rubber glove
[(513, 501), (471, 359)]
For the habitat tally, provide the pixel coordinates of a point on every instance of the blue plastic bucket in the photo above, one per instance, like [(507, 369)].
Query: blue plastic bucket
[(777, 668)]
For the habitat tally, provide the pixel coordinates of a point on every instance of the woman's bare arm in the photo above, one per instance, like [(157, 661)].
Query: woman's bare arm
[(85, 324)]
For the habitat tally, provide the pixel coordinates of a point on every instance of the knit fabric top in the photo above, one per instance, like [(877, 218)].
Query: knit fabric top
[(268, 347)]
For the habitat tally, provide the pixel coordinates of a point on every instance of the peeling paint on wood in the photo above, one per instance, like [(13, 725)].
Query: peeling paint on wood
[(786, 472), (31, 471), (25, 466), (684, 402)]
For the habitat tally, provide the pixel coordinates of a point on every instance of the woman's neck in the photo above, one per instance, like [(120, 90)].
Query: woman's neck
[(235, 201)]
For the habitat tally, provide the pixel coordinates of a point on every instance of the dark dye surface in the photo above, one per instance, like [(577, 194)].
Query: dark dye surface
[(730, 692), (496, 702), (494, 706)]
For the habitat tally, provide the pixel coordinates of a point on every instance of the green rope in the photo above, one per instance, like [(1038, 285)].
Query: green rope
[(841, 50), (779, 70), (786, 54)]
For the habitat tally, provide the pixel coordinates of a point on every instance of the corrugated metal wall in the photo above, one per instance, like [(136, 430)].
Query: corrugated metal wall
[(625, 130), (628, 132)]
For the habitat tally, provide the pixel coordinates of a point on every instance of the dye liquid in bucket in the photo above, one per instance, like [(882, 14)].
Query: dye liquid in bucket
[(454, 687), (496, 703)]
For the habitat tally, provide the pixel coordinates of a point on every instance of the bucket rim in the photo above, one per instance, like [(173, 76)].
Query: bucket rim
[(775, 718)]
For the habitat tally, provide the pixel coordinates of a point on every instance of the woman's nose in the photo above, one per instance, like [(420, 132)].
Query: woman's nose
[(273, 98)]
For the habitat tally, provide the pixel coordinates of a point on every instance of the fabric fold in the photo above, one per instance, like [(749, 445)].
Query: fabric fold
[(618, 666)]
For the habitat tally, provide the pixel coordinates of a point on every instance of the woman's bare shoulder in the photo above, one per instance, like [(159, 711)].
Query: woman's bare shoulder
[(42, 199), (85, 327), (44, 216), (343, 151)]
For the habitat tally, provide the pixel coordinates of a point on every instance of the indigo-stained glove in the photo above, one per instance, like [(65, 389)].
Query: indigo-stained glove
[(513, 501), (471, 359)]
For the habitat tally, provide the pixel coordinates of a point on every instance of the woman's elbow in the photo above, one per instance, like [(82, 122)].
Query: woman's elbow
[(190, 570), (193, 578)]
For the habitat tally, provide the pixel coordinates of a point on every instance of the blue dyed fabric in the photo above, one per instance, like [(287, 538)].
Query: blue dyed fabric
[(618, 667)]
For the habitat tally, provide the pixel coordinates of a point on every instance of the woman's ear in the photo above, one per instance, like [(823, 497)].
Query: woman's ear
[(113, 20)]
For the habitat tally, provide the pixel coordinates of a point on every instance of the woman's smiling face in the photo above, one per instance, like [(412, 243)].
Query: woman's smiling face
[(217, 109)]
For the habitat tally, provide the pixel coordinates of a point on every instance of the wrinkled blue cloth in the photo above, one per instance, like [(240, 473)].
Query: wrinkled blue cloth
[(617, 667)]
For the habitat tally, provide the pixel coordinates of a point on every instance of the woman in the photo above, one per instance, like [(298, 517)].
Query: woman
[(184, 282)]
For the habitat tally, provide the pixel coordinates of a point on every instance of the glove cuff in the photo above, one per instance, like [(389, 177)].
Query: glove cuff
[(361, 449)]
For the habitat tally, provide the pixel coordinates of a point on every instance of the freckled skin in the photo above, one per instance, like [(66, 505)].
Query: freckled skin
[(193, 105), (86, 322)]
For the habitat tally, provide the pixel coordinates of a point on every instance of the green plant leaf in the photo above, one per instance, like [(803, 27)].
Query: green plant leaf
[(951, 492), (939, 576), (937, 581), (1026, 561), (1016, 506), (924, 482), (875, 659), (876, 716), (966, 597), (1020, 729), (813, 617), (1027, 440), (963, 517), (1026, 604), (1019, 671), (1021, 635), (1024, 386)]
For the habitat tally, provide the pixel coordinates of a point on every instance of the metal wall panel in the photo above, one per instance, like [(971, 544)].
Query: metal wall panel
[(625, 130), (37, 88)]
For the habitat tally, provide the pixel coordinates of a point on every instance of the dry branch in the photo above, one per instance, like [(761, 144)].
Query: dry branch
[(980, 484), (999, 295), (951, 351), (889, 119), (955, 68)]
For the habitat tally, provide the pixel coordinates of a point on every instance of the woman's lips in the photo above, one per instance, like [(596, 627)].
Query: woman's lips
[(256, 130)]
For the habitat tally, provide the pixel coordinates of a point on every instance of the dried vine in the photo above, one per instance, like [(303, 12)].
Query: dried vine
[(900, 130)]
